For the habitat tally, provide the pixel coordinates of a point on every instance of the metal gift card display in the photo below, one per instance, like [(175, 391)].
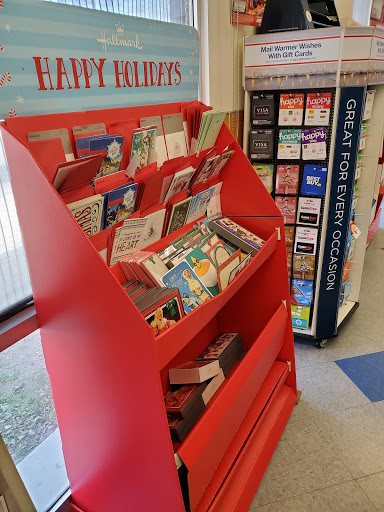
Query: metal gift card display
[(348, 65), (107, 370)]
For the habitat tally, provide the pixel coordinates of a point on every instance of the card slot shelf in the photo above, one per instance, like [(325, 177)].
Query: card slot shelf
[(271, 386), (170, 343), (210, 438)]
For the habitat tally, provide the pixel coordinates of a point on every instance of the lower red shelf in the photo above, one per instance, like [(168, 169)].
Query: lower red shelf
[(209, 440)]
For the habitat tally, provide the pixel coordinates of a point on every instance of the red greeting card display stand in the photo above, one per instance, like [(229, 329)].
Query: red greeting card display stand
[(108, 372)]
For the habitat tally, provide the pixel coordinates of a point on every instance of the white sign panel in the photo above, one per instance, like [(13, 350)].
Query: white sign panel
[(377, 50), (356, 49), (298, 53)]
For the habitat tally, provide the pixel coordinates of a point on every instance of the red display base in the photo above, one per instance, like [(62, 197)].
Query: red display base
[(108, 372)]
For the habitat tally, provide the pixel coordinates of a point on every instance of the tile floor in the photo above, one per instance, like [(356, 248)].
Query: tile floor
[(330, 457)]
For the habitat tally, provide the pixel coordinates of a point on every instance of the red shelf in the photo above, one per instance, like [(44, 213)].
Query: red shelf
[(269, 389), (170, 343), (206, 444)]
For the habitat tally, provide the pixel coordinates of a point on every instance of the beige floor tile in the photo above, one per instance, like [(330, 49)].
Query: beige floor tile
[(272, 507), (264, 495), (325, 388), (307, 354), (298, 414), (357, 436), (351, 342), (380, 406), (346, 497), (304, 461), (373, 486)]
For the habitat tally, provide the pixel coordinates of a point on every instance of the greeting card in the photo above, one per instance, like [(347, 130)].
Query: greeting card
[(119, 204), (111, 147)]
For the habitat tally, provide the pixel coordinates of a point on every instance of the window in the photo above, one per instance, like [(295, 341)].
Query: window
[(15, 286), (173, 11)]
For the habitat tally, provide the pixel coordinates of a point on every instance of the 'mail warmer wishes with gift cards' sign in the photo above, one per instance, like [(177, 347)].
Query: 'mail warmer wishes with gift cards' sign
[(59, 58), (298, 52)]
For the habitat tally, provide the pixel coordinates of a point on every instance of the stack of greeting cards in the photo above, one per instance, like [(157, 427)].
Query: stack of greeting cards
[(193, 384)]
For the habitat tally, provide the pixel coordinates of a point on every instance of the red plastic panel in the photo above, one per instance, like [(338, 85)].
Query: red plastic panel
[(270, 387), (178, 336), (241, 484), (100, 358), (205, 446)]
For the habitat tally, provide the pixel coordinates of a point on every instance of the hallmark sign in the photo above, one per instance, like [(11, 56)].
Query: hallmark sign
[(59, 58)]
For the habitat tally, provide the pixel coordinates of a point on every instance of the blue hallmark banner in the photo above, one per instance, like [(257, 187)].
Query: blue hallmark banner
[(59, 58), (343, 179)]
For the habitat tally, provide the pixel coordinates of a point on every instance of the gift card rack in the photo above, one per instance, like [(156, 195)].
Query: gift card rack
[(108, 373)]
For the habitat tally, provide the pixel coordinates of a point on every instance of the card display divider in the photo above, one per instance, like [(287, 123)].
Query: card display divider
[(301, 163), (105, 364)]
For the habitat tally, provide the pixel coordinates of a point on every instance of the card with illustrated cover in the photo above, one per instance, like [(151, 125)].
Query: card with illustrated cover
[(308, 211), (225, 269), (318, 108), (300, 316), (128, 239), (82, 143), (287, 206), (301, 292), (88, 213), (86, 131), (303, 266), (314, 180), (154, 227), (192, 291), (236, 270), (143, 141), (155, 267), (305, 240), (111, 147), (291, 109), (237, 235), (222, 346), (165, 313), (265, 173), (289, 232), (204, 269), (314, 142), (287, 179), (199, 204), (180, 181), (160, 149), (263, 109), (261, 144), (194, 372), (179, 215), (119, 204), (218, 253), (180, 402), (289, 147)]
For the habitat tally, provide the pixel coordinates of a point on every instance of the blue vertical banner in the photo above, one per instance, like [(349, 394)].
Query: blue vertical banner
[(59, 58), (339, 208)]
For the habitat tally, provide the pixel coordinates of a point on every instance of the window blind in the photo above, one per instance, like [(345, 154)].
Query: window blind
[(15, 284), (173, 11)]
